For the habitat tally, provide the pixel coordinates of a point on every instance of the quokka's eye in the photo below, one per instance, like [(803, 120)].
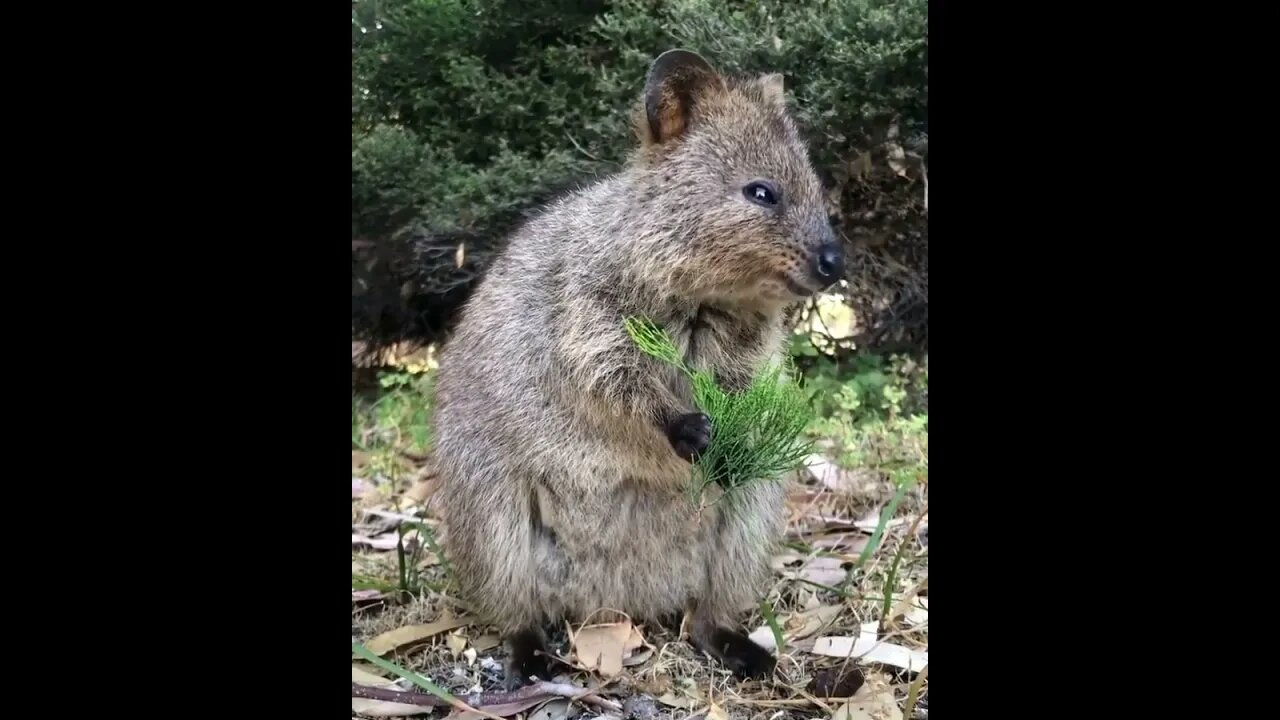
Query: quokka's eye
[(761, 192)]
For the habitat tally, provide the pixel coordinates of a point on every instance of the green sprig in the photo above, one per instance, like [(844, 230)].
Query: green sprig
[(756, 434)]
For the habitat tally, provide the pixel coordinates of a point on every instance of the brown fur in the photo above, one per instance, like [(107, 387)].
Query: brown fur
[(561, 491)]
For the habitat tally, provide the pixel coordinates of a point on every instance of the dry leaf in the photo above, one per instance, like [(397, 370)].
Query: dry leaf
[(670, 699), (846, 543), (411, 634), (382, 542), (506, 710), (460, 257), (868, 648), (810, 621), (913, 606), (457, 643), (795, 627), (470, 654), (363, 676), (821, 570), (604, 647), (715, 712), (554, 710), (486, 642), (871, 521), (873, 701), (639, 657)]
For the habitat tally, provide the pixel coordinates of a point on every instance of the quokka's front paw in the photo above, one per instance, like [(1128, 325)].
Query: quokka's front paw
[(689, 435)]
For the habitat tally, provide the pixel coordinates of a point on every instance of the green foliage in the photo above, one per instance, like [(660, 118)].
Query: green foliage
[(654, 342), (756, 434), (873, 414), (408, 562), (398, 419), (469, 109), (466, 114), (395, 421), (869, 386), (875, 410)]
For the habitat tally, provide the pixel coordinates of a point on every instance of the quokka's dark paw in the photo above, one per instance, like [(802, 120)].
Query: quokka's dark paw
[(525, 660), (742, 657), (689, 435)]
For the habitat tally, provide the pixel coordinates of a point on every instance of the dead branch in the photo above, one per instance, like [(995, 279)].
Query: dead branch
[(479, 701)]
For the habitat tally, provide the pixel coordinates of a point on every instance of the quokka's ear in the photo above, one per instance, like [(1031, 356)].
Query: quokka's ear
[(676, 81)]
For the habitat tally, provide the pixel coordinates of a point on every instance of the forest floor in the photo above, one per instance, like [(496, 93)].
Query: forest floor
[(849, 601)]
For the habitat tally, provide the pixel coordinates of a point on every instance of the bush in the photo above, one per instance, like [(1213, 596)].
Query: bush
[(466, 114)]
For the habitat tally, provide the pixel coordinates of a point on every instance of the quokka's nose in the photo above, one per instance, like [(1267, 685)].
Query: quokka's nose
[(827, 263)]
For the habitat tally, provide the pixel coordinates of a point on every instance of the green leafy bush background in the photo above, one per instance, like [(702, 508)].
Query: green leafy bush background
[(467, 114)]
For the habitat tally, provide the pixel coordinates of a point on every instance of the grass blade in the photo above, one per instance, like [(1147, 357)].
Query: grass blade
[(885, 516), (767, 611)]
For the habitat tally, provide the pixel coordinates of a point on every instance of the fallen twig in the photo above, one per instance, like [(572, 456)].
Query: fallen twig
[(580, 148), (481, 700)]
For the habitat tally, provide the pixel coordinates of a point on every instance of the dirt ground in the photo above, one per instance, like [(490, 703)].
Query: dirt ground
[(849, 652)]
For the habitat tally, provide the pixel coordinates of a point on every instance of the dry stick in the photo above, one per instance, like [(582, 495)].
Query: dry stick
[(479, 701), (781, 703)]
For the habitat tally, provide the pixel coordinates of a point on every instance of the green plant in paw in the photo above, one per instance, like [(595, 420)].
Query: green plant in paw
[(756, 435)]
